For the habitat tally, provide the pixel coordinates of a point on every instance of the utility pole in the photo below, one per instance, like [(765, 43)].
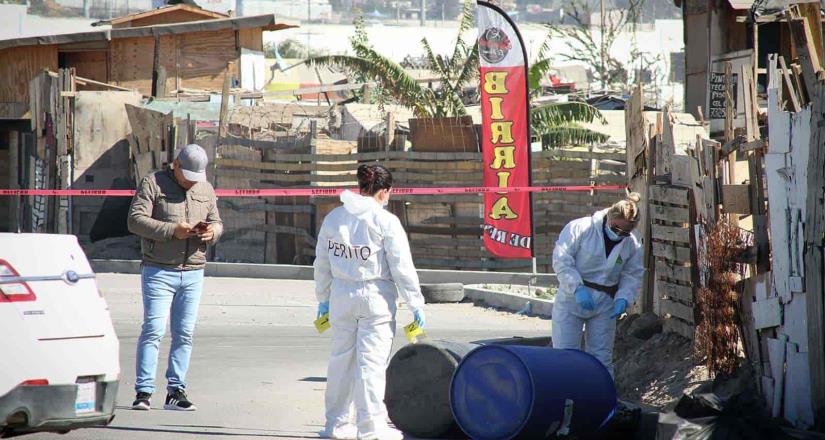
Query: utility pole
[(309, 18), (601, 34), (423, 12)]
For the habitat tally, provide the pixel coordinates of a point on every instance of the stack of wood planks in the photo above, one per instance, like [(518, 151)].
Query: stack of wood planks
[(669, 212), (444, 231)]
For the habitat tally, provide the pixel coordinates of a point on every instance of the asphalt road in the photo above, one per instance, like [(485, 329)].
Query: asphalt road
[(258, 366)]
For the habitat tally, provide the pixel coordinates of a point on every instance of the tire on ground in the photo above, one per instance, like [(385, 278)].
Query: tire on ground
[(443, 293)]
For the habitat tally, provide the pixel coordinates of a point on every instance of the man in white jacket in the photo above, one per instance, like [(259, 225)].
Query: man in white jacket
[(598, 262), (362, 264)]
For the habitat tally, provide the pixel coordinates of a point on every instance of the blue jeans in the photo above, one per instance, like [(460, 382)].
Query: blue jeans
[(165, 290)]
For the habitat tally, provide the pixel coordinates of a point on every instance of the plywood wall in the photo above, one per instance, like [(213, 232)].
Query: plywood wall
[(18, 66), (781, 299), (193, 61), (251, 39), (203, 56), (92, 64), (696, 54), (133, 59)]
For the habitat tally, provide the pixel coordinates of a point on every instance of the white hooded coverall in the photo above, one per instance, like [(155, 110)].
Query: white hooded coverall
[(362, 263), (580, 255)]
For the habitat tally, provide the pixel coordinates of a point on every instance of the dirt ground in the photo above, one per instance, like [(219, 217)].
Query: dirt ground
[(655, 372)]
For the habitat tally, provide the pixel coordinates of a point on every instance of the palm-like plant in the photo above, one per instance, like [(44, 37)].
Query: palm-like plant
[(559, 123), (453, 72), (556, 124)]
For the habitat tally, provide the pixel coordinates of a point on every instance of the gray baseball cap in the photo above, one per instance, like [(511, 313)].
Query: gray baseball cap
[(193, 161)]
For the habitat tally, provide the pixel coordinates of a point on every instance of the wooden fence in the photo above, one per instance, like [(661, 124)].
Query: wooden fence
[(444, 231), (671, 240)]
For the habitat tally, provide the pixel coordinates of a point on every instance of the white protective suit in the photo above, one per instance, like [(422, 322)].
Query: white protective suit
[(362, 263), (580, 255)]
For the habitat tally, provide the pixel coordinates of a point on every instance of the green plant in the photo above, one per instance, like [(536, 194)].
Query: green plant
[(559, 124), (596, 49), (393, 81), (548, 293), (555, 124)]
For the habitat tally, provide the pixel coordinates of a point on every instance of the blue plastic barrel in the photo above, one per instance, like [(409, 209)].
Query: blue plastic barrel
[(500, 392)]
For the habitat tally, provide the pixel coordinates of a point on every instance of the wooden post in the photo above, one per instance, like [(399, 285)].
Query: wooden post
[(321, 83), (792, 92), (157, 87), (309, 220), (390, 135), (64, 129), (367, 93), (14, 180), (814, 258), (651, 302), (760, 221), (640, 160), (729, 118), (808, 58), (222, 121)]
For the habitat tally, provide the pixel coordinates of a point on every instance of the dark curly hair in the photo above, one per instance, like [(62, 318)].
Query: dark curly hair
[(373, 178)]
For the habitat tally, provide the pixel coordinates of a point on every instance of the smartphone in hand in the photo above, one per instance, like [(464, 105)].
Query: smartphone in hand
[(200, 228)]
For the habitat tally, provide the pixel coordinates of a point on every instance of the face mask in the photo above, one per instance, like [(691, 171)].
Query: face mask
[(612, 235), (386, 201)]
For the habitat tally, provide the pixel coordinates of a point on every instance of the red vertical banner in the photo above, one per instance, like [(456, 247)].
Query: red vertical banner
[(505, 133)]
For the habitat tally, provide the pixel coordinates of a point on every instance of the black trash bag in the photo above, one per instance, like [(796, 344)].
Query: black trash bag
[(629, 422), (728, 409)]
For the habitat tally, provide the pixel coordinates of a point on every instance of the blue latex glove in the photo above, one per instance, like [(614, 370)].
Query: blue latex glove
[(584, 298), (619, 306), (419, 318), (323, 308)]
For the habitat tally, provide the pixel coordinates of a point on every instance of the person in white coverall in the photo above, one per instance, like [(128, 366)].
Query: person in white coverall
[(598, 263), (362, 263)]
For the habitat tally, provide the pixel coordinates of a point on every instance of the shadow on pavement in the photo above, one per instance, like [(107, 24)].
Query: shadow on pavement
[(314, 379), (265, 434)]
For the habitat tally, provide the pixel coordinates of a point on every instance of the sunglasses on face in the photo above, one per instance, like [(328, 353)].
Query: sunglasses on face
[(619, 231)]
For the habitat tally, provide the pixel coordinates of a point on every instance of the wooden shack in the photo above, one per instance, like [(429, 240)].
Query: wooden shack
[(192, 46), (743, 32), (62, 118)]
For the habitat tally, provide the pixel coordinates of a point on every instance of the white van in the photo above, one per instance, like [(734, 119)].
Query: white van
[(59, 366)]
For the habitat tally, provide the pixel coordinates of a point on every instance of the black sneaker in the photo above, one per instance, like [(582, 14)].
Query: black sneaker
[(142, 401), (178, 401)]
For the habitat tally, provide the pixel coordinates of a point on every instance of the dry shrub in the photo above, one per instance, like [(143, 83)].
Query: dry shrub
[(718, 332)]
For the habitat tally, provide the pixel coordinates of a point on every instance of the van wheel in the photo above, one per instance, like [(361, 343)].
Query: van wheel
[(443, 293)]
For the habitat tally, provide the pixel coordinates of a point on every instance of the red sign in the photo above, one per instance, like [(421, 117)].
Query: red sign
[(505, 131)]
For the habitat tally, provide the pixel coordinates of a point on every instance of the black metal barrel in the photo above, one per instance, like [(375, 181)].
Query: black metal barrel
[(418, 388)]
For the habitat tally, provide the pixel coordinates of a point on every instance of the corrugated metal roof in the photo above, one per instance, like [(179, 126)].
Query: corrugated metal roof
[(267, 22), (164, 10)]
